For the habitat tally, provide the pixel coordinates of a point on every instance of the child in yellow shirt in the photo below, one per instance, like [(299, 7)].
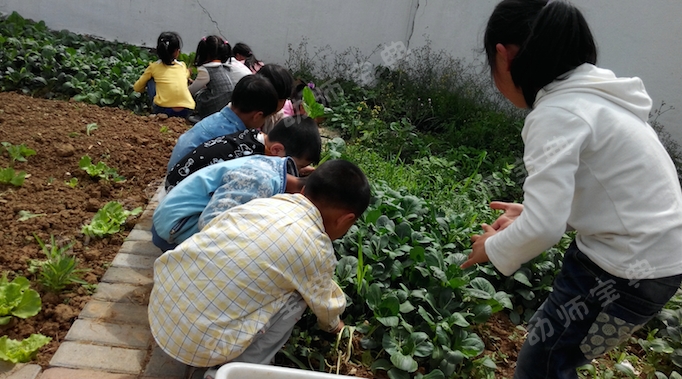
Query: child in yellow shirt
[(166, 79)]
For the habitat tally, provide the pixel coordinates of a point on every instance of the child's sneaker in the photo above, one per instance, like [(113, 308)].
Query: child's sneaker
[(211, 373)]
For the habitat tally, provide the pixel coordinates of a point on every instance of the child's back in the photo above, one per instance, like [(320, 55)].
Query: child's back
[(212, 89), (166, 79), (253, 99), (297, 138)]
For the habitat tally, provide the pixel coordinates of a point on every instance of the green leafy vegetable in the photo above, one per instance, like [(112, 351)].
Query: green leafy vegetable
[(22, 351), (59, 270), (26, 215), (100, 170), (18, 152), (312, 108), (17, 299), (108, 220), (9, 176)]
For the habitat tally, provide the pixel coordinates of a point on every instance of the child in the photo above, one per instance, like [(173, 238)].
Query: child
[(283, 82), (212, 89), (234, 291), (243, 53), (299, 139), (253, 100), (294, 107), (166, 79), (186, 209), (595, 165)]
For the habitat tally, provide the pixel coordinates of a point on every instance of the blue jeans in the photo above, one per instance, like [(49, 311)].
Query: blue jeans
[(151, 93), (588, 313)]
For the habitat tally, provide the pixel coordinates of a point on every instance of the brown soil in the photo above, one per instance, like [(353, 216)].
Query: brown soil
[(134, 145), (138, 147)]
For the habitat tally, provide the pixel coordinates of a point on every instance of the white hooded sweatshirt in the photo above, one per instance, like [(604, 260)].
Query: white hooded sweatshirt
[(596, 165)]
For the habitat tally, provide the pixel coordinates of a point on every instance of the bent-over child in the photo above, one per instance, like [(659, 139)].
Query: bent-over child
[(234, 291), (166, 79), (283, 81), (298, 139), (185, 209), (253, 100)]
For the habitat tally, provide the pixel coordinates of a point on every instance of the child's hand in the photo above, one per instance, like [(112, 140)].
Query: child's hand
[(511, 212), (338, 328), (305, 171), (478, 254)]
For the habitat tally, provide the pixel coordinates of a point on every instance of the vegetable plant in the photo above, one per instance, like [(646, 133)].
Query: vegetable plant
[(99, 170), (9, 176), (22, 351), (73, 182), (17, 299), (108, 220), (90, 128), (312, 108), (17, 153), (59, 269)]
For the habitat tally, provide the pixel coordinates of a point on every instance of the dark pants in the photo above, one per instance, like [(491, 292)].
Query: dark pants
[(588, 313), (151, 93), (160, 242)]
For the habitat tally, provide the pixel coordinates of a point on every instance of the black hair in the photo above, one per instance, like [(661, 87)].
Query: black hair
[(300, 137), (297, 95), (339, 184), (243, 49), (553, 39), (166, 45), (212, 48), (280, 77), (254, 93)]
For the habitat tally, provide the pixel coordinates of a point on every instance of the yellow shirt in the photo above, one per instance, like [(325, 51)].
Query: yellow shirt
[(171, 84), (217, 289)]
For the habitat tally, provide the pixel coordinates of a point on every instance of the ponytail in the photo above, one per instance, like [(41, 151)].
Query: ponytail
[(166, 45)]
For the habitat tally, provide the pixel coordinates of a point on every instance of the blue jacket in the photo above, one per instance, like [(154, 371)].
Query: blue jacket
[(215, 125), (195, 201)]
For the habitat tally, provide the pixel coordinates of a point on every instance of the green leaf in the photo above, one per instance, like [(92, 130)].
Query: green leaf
[(312, 108), (483, 285), (404, 362), (451, 361), (420, 344), (381, 364), (29, 305), (434, 374), (21, 351), (522, 276), (396, 373)]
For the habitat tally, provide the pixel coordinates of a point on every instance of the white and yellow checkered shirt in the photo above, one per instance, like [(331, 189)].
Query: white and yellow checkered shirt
[(217, 289)]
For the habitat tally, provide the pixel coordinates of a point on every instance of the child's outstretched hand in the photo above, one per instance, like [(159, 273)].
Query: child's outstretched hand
[(478, 254), (511, 212)]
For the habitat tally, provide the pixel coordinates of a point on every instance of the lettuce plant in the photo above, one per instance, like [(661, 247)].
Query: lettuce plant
[(17, 299), (99, 170), (22, 351), (108, 220)]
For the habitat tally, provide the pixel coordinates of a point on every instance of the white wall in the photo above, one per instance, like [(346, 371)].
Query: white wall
[(634, 37)]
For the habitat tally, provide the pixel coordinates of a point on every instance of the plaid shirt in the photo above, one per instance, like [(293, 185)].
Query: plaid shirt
[(220, 287)]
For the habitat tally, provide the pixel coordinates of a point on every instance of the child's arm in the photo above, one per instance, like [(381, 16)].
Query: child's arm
[(326, 299), (141, 83), (200, 82)]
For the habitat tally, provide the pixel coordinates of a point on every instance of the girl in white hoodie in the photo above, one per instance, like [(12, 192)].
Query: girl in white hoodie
[(595, 166)]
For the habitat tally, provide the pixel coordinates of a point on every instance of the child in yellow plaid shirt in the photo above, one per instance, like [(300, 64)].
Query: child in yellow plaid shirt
[(234, 291)]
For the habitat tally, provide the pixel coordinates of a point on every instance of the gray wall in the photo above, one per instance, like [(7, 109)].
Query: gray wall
[(635, 37)]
